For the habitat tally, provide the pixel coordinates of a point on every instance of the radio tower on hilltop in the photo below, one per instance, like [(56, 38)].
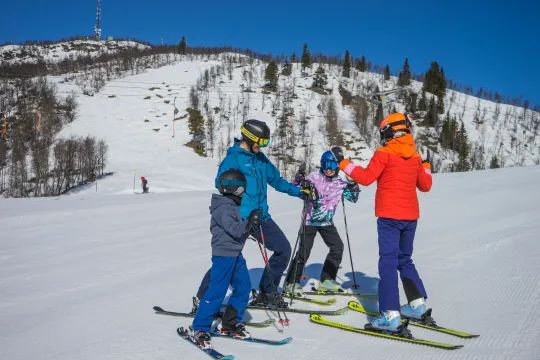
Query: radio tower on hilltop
[(97, 28)]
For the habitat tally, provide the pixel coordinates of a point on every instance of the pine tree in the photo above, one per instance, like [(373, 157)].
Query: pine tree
[(462, 140), (196, 128), (494, 164), (271, 73), (286, 69), (412, 106), (422, 103), (320, 79), (432, 117), (379, 115), (347, 65), (293, 58), (387, 72), (182, 46), (435, 81), (361, 65), (404, 78), (440, 105), (306, 59), (442, 83), (448, 133)]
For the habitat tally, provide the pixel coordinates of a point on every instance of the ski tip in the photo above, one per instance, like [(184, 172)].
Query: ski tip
[(286, 341), (315, 317), (157, 308)]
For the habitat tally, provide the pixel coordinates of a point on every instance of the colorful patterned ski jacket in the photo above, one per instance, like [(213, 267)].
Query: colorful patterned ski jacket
[(330, 189)]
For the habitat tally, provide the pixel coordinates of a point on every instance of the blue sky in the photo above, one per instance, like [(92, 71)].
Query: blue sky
[(490, 44)]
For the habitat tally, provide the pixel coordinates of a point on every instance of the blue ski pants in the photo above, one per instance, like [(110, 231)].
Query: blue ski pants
[(275, 241), (396, 238), (225, 271)]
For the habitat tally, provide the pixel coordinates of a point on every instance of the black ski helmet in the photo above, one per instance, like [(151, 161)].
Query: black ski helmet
[(254, 130), (232, 182)]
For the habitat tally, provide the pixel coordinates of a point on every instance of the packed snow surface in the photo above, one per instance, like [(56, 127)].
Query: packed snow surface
[(79, 274)]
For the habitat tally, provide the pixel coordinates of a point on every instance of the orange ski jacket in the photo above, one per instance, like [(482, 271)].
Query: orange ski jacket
[(399, 170)]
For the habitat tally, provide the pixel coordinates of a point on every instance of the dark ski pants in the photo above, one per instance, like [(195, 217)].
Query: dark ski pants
[(330, 268), (275, 241), (225, 271), (396, 238)]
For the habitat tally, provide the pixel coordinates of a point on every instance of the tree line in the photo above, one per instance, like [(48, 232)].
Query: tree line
[(32, 161)]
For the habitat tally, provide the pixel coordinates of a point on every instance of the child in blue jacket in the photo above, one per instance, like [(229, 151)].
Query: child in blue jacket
[(229, 234)]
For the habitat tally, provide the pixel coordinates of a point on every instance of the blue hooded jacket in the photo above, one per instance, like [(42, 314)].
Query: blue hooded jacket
[(259, 172)]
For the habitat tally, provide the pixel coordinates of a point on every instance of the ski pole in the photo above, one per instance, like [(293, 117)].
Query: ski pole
[(355, 286), (274, 288), (296, 259)]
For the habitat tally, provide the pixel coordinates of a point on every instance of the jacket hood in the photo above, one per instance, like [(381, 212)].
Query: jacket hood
[(219, 200), (403, 146)]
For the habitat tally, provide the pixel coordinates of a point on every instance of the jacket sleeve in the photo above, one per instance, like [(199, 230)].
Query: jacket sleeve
[(235, 228), (228, 163), (368, 175), (424, 179), (277, 182)]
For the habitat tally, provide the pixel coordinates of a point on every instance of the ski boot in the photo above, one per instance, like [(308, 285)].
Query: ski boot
[(295, 289), (262, 299), (388, 321), (195, 307), (330, 286), (237, 330), (415, 309), (203, 338)]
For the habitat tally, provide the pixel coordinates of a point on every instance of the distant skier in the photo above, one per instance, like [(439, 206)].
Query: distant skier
[(398, 170), (229, 234), (319, 219), (144, 185)]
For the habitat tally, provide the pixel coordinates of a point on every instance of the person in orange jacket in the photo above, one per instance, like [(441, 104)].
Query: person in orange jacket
[(399, 171)]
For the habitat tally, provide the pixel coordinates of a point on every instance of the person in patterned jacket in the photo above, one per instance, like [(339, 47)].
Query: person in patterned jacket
[(399, 170), (319, 219)]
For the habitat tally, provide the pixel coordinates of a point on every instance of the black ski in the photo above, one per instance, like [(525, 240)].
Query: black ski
[(263, 324)]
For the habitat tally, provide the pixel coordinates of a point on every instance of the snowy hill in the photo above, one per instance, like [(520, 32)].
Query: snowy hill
[(130, 102), (79, 275), (135, 115), (21, 54)]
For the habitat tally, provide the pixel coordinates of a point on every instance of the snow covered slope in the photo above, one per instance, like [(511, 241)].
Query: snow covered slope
[(21, 54), (135, 115), (79, 275)]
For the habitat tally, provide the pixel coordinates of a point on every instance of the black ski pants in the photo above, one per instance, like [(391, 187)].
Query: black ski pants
[(330, 268)]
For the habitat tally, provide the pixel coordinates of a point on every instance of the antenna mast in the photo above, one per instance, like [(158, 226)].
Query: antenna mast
[(97, 28)]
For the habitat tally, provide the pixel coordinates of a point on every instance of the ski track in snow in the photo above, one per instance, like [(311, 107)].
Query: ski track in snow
[(80, 274)]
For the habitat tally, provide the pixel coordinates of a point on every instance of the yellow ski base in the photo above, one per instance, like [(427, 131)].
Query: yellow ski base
[(353, 305), (316, 318)]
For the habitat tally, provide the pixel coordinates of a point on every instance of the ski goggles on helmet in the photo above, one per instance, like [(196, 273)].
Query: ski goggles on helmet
[(388, 130), (329, 165), (262, 142), (239, 190)]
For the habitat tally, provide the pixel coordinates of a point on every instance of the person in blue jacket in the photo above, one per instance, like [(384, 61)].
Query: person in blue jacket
[(245, 155)]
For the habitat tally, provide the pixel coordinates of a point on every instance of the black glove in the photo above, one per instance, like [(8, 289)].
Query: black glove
[(338, 153), (353, 187), (301, 172), (427, 159), (254, 221)]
